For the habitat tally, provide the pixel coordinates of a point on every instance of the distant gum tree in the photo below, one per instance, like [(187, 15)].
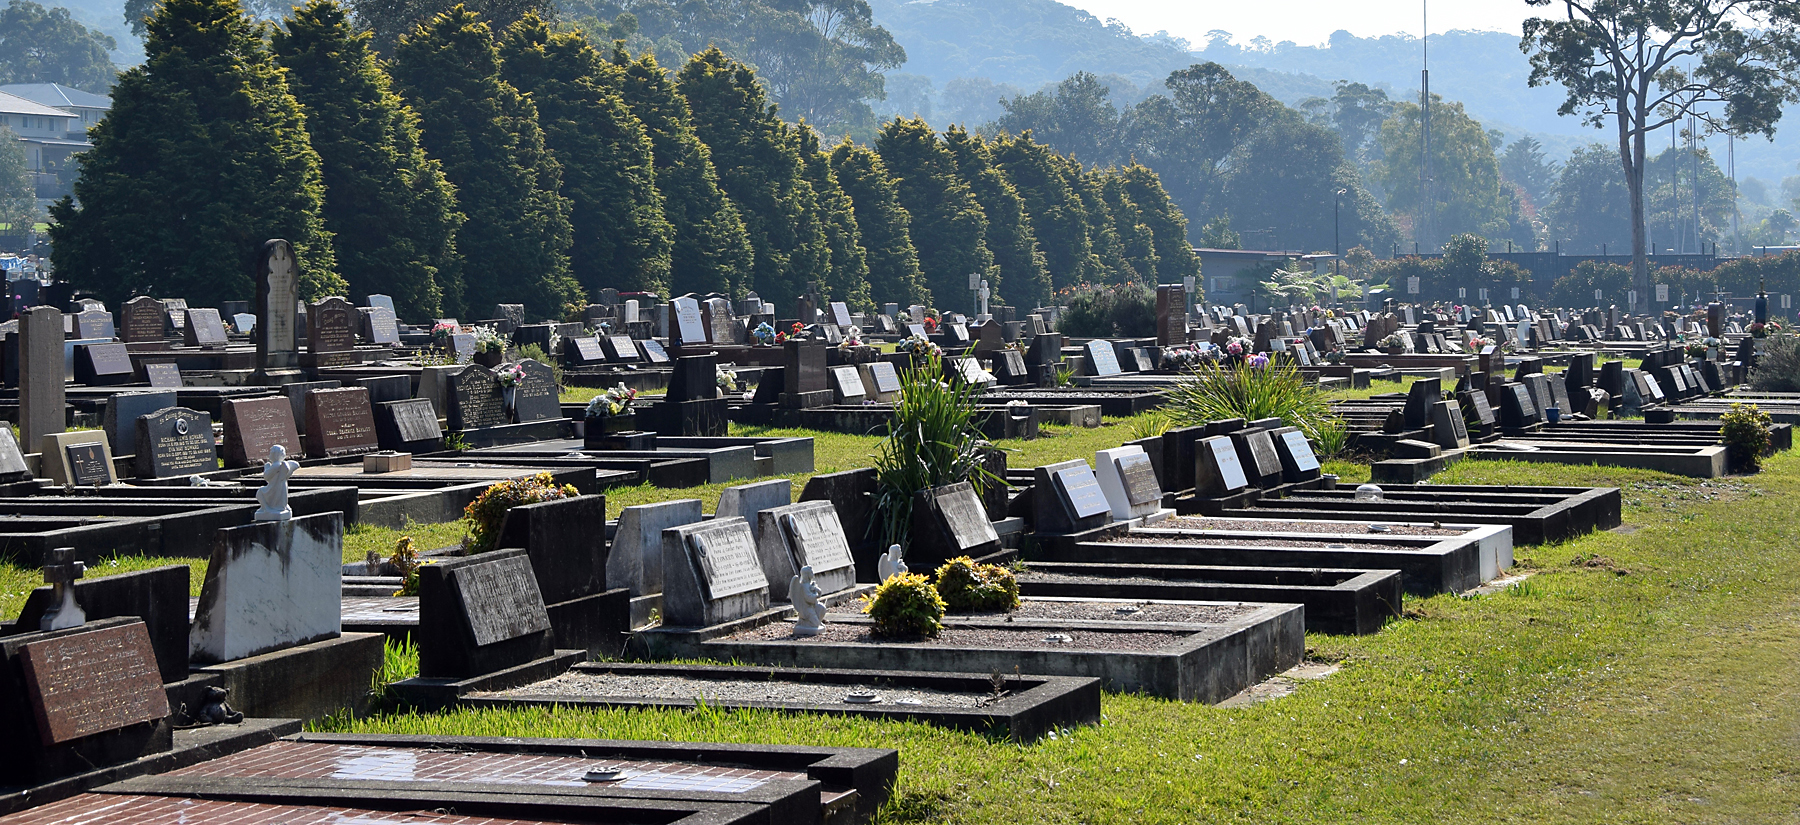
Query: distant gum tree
[(1646, 64)]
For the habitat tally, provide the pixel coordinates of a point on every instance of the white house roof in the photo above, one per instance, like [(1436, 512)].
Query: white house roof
[(57, 95), (12, 104)]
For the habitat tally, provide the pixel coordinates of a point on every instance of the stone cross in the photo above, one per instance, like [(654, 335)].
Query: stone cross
[(805, 595), (61, 573), (273, 497)]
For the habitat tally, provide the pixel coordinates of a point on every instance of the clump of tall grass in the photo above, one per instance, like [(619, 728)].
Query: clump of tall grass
[(1213, 392), (1778, 367), (932, 440)]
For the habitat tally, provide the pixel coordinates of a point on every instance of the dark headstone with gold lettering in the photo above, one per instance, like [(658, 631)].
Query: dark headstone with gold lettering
[(175, 442), (339, 422), (143, 319), (474, 400), (331, 327)]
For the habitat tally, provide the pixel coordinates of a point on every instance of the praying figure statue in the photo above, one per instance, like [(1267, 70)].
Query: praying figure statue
[(805, 595), (890, 564), (274, 493)]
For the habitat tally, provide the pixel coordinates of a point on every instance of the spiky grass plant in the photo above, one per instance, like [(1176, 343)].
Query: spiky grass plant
[(932, 440), (1213, 392)]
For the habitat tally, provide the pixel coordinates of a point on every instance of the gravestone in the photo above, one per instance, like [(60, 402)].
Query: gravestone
[(1256, 451), (473, 400), (686, 329), (409, 426), (695, 378), (204, 328), (1010, 369), (847, 386), (1298, 461), (270, 585), (376, 300), (163, 376), (12, 459), (1448, 429), (1129, 481), (122, 411), (653, 351), (806, 534), (385, 388), (143, 320), (947, 522), (1217, 470), (536, 397), (619, 348), (41, 379), (881, 382), (461, 347), (158, 596), (94, 323), (339, 422), (1539, 387), (481, 614), (803, 371), (82, 458), (512, 314), (1102, 359), (253, 425), (175, 442), (568, 556), (1517, 409), (969, 371), (1171, 315), (1067, 499), (243, 323), (1419, 398), (711, 574), (80, 699), (587, 350), (840, 315), (331, 333), (746, 500), (1559, 396), (635, 559), (380, 326)]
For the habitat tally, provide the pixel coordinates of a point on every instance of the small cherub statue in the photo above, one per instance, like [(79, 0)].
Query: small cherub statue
[(274, 493), (805, 595), (890, 564)]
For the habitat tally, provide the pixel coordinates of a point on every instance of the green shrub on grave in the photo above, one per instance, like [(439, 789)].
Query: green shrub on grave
[(967, 586), (488, 511), (1745, 430), (906, 607)]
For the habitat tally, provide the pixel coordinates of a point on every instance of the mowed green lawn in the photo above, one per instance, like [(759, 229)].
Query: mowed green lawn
[(1645, 674)]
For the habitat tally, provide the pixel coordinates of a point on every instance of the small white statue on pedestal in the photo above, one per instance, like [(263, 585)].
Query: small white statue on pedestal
[(274, 493), (805, 595), (890, 564)]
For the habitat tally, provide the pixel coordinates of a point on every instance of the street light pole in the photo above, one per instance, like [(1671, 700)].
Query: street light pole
[(1337, 252)]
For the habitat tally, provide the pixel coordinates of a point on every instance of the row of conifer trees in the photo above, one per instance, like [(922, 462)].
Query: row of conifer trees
[(475, 167)]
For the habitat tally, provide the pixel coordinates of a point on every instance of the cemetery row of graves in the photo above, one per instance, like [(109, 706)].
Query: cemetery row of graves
[(1189, 553)]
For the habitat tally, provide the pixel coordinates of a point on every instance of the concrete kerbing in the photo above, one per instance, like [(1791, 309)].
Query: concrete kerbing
[(192, 746), (1044, 704)]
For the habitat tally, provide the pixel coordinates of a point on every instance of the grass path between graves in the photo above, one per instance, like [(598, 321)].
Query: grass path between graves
[(1639, 675)]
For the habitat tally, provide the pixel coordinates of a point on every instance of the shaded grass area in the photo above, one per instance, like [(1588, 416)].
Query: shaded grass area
[(1639, 675)]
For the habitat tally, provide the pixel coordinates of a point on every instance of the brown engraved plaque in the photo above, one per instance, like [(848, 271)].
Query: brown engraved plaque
[(501, 599), (339, 422), (92, 682), (254, 425)]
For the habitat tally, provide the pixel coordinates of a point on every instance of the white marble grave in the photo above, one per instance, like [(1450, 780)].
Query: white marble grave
[(270, 585), (635, 559)]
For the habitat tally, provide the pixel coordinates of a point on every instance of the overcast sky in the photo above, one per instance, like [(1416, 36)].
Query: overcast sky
[(1307, 22)]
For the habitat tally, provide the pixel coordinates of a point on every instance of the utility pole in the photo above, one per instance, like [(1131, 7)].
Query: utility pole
[(1426, 196)]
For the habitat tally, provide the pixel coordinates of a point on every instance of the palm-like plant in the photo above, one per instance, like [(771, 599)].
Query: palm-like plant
[(932, 440), (1213, 393)]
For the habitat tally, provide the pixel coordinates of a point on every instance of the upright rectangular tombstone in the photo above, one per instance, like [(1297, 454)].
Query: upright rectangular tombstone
[(536, 397), (711, 574), (806, 534), (745, 501), (635, 560), (253, 425), (277, 302), (1298, 461), (339, 422), (687, 329), (481, 614), (270, 585), (204, 328), (41, 381), (1217, 470), (1102, 359), (175, 442), (122, 412), (1448, 428), (847, 385), (474, 400), (409, 426), (1129, 481)]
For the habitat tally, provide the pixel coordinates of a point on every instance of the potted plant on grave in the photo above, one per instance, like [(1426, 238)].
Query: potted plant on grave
[(441, 332), (1395, 344), (509, 377), (490, 348), (610, 411), (765, 335)]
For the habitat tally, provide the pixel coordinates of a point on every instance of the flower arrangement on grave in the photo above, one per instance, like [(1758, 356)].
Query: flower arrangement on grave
[(852, 338), (616, 401), (1180, 358), (725, 377), (968, 586), (766, 335), (488, 341), (510, 375), (441, 332), (1761, 329), (906, 606), (1395, 340), (1745, 431), (1257, 360), (1694, 349), (931, 324), (918, 345), (1477, 342), (488, 511)]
